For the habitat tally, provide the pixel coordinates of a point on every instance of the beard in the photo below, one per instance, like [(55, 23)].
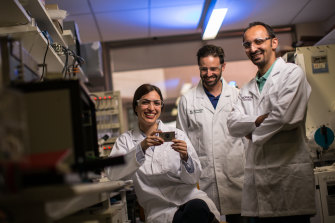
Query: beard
[(258, 61), (261, 61), (211, 83)]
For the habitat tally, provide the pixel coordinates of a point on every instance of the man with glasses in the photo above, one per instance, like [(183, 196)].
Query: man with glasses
[(202, 115), (270, 113)]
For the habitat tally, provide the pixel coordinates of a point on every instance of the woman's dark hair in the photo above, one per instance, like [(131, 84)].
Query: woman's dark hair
[(143, 90)]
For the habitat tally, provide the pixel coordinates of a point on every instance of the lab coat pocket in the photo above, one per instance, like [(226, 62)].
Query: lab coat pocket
[(282, 149), (195, 138), (227, 108), (193, 115), (200, 148), (235, 165), (207, 172), (171, 163)]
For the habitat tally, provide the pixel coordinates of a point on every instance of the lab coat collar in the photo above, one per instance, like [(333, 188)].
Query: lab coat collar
[(204, 100), (200, 92), (277, 67), (225, 94), (138, 135), (275, 71), (253, 89)]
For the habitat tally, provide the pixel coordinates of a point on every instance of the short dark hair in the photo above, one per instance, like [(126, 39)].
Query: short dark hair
[(143, 90), (268, 28), (211, 50)]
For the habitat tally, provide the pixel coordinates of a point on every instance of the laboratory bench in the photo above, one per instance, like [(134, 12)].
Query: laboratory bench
[(67, 203)]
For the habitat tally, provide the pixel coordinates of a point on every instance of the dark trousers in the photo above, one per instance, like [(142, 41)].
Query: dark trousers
[(286, 219), (236, 218), (194, 211)]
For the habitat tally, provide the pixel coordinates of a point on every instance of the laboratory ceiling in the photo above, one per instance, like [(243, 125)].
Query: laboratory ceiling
[(118, 20)]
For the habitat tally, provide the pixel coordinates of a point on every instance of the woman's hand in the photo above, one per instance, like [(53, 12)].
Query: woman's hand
[(180, 146), (151, 140)]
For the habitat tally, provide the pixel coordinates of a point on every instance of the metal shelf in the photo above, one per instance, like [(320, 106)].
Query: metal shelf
[(35, 43), (16, 23), (13, 14), (43, 20)]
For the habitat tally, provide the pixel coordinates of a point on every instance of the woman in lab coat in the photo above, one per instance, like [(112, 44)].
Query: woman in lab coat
[(164, 173)]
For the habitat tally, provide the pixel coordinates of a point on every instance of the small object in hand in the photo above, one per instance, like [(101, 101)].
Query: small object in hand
[(167, 136)]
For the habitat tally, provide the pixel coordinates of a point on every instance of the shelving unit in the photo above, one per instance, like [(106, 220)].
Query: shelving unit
[(43, 20), (108, 107), (68, 37), (12, 14), (22, 26), (17, 24), (35, 43)]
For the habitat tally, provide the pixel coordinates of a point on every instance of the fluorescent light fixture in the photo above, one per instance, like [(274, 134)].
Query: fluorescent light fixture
[(214, 23)]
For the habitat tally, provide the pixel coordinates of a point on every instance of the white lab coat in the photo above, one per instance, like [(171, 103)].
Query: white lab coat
[(221, 155), (162, 182), (278, 173)]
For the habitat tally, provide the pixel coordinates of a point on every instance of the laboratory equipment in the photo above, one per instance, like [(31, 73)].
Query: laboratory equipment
[(320, 73), (108, 107), (62, 135), (325, 194)]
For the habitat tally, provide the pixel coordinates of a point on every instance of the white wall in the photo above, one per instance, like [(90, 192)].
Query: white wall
[(171, 80), (128, 81)]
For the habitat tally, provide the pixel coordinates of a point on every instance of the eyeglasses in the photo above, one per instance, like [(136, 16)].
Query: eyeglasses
[(213, 69), (146, 102), (257, 41)]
